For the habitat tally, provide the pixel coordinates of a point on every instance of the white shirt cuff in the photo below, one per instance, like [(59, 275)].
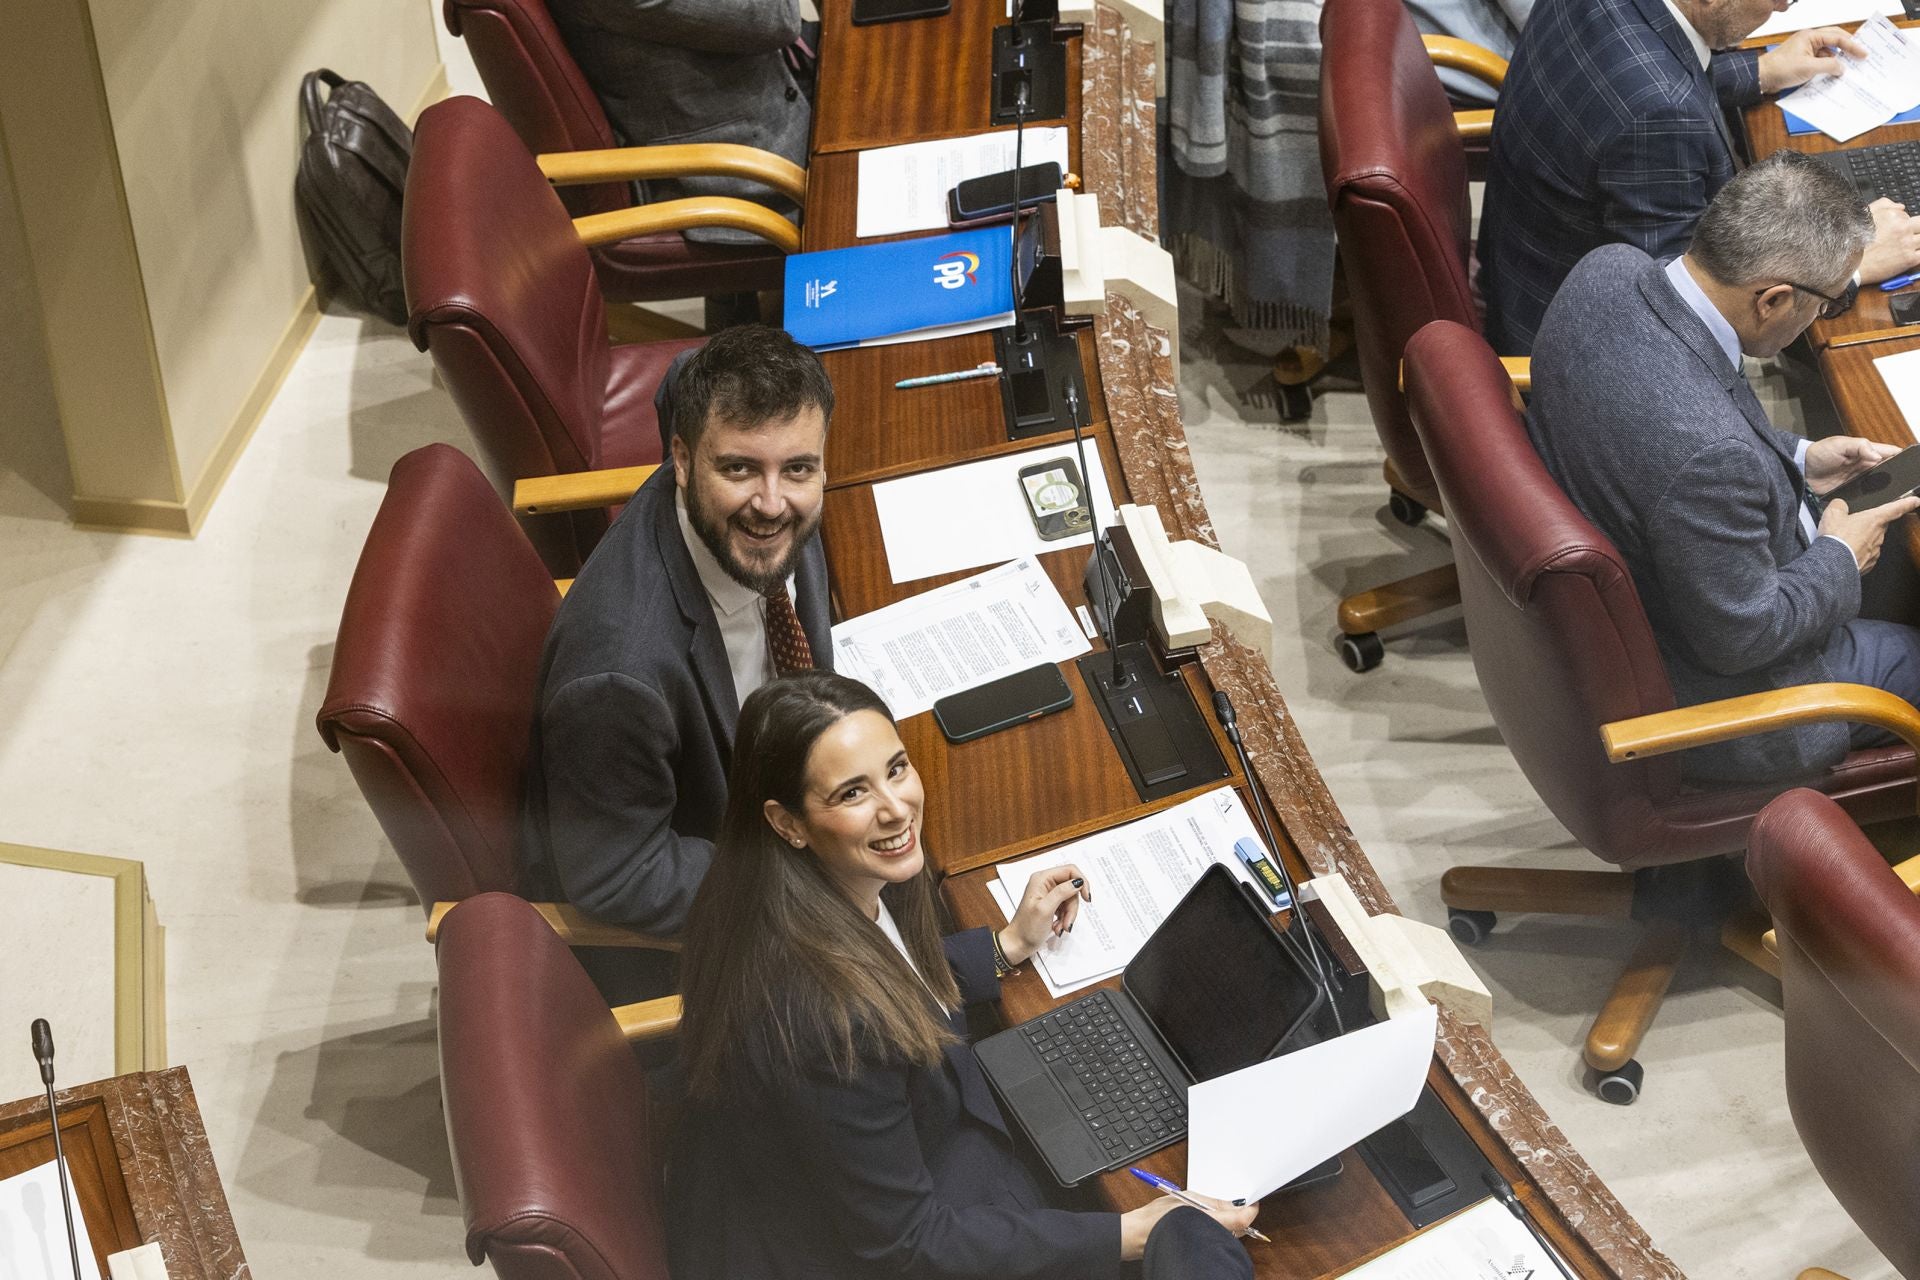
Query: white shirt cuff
[(1800, 455)]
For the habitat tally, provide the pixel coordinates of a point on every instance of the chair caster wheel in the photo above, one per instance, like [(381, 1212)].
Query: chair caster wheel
[(1470, 928), (1405, 509), (1362, 652), (1295, 402), (1621, 1087)]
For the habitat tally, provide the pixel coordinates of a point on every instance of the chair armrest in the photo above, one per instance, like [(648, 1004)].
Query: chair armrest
[(1475, 125), (1481, 63), (563, 585), (575, 928), (682, 215), (649, 1019), (1730, 718), (684, 160), (1520, 369), (1909, 873), (577, 490)]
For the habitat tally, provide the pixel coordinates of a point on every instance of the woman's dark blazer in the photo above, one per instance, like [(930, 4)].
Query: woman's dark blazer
[(904, 1171)]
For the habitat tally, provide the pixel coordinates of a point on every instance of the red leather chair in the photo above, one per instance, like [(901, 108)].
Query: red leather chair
[(534, 81), (546, 1106), (1396, 176), (1848, 932), (500, 290), (1567, 662)]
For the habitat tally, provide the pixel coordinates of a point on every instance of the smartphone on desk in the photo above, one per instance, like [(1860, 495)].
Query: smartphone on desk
[(991, 195), (1892, 480), (1906, 307), (1056, 500), (866, 12), (1003, 703)]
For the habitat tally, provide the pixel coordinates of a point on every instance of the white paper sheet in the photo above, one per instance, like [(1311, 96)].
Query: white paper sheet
[(1901, 373), (33, 1230), (920, 514), (1138, 872), (1485, 1242), (1873, 91), (904, 188), (1240, 1145), (1826, 13), (955, 637)]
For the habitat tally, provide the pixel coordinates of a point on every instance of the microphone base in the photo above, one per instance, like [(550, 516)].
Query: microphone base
[(1156, 726), (1038, 62), (1036, 365)]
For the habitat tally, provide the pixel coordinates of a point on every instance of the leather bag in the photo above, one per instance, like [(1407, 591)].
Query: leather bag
[(347, 193)]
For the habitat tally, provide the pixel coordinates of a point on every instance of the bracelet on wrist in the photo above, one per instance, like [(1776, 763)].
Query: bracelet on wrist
[(1002, 967)]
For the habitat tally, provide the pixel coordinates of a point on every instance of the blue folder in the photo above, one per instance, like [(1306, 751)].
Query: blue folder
[(842, 297)]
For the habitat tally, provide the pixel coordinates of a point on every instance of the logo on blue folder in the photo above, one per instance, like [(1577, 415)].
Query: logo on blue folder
[(817, 290), (953, 270)]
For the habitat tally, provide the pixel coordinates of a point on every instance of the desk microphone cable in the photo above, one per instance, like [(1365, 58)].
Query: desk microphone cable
[(1503, 1192)]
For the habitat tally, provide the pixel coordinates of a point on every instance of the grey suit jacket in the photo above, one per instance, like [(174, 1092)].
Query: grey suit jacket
[(634, 721), (670, 71), (1660, 442)]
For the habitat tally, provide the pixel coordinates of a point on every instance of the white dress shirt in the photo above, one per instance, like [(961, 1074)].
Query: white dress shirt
[(740, 610), (1700, 49)]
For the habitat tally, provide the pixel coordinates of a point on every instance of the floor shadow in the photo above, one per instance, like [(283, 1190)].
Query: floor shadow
[(396, 404)]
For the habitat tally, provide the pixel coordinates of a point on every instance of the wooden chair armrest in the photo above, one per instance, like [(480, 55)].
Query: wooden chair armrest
[(1730, 718), (577, 490), (1481, 63), (1909, 873), (575, 928), (1475, 125), (1519, 370), (649, 1019), (681, 215), (563, 585), (684, 160)]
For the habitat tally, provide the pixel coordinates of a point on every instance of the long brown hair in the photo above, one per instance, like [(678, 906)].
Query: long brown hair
[(775, 952)]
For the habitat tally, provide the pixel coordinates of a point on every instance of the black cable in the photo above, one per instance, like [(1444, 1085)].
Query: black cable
[(1503, 1192)]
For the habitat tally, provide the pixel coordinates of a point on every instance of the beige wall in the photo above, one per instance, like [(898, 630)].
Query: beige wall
[(200, 98)]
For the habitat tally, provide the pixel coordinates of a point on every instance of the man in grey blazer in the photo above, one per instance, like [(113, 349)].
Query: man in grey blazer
[(711, 582), (1641, 411), (674, 71)]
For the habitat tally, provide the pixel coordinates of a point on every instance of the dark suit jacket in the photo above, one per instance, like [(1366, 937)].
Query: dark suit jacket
[(905, 1171), (675, 71), (1606, 132), (634, 720), (1660, 442)]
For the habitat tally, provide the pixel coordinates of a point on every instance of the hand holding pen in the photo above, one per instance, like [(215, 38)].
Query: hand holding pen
[(1227, 1215)]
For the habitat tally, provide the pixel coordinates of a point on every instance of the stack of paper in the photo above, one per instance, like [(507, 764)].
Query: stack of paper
[(33, 1229), (1901, 373), (1485, 1242), (1137, 873), (904, 188), (1873, 90), (1826, 13), (958, 637)]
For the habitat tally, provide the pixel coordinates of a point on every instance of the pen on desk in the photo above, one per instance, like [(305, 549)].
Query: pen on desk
[(987, 369), (1899, 282), (1159, 1183)]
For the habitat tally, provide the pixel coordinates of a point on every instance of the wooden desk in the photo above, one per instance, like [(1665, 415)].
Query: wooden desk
[(141, 1170), (1865, 404), (1324, 1230), (1869, 319)]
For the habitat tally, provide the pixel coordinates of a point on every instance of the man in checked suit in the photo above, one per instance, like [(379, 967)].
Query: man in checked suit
[(711, 582), (1641, 411), (1611, 128)]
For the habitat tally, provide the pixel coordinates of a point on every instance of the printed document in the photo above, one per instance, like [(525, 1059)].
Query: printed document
[(1239, 1145), (33, 1229), (1138, 873), (1485, 1242), (904, 188), (958, 636), (1826, 13), (1901, 373), (975, 514), (1874, 89)]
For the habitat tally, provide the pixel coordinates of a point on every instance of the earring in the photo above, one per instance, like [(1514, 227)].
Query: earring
[(799, 844)]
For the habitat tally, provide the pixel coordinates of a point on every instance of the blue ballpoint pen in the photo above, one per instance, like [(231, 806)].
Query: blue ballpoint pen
[(1159, 1183), (1899, 282)]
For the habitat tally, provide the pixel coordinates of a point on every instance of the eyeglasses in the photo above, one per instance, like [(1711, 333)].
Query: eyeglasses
[(1830, 305)]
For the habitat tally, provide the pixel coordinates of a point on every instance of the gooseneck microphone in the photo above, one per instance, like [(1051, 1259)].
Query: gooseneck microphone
[(1109, 609), (43, 1054), (1503, 1192), (1229, 723)]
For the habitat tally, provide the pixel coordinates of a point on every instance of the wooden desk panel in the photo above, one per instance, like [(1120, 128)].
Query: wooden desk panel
[(895, 82), (1867, 407)]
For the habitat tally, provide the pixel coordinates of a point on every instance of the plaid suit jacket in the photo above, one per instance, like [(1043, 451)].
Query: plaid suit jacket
[(1607, 131)]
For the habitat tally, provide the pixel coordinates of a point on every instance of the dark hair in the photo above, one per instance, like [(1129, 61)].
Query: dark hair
[(747, 375), (775, 953), (1788, 218)]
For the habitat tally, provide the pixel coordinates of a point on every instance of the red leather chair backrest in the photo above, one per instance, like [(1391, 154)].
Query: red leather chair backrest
[(1849, 936), (501, 291), (1559, 638), (532, 78), (434, 669), (546, 1106), (1397, 182)]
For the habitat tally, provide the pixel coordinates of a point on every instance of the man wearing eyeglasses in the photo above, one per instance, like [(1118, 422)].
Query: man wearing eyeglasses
[(1641, 410), (1612, 128)]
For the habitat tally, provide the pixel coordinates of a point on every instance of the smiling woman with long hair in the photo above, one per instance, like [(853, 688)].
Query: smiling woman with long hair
[(838, 1124)]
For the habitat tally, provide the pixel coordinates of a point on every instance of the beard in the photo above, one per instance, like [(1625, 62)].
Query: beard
[(758, 573)]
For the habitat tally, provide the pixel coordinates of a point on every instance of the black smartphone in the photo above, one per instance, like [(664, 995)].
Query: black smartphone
[(991, 195), (1906, 308), (1893, 479), (1056, 500), (871, 11), (1003, 703)]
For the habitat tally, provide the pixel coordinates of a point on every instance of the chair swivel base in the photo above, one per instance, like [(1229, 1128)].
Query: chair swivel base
[(1675, 903), (1364, 615)]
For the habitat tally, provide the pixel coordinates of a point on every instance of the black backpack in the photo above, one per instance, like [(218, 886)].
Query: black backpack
[(347, 193)]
